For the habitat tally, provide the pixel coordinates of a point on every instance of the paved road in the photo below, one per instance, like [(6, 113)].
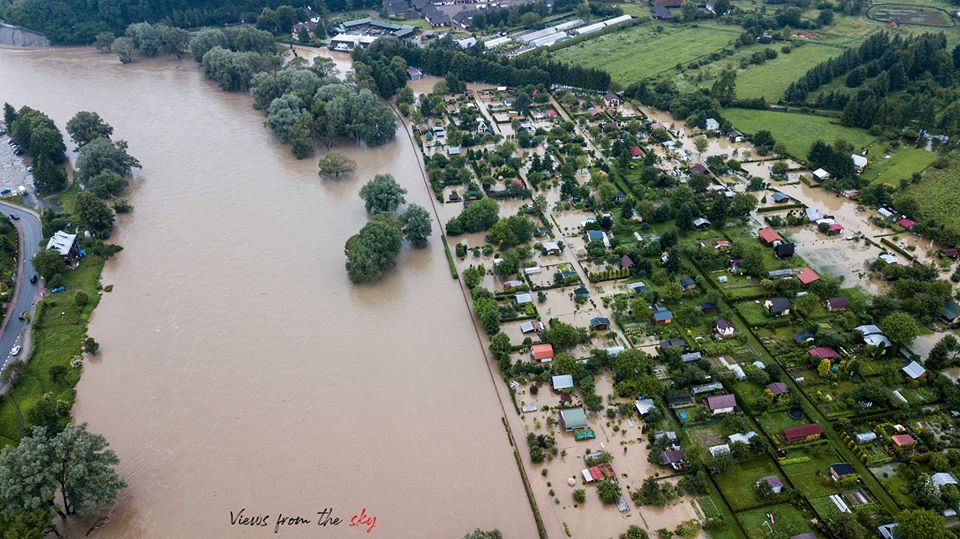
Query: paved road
[(30, 233)]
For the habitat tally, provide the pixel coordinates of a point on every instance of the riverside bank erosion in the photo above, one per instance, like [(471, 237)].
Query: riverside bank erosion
[(233, 339)]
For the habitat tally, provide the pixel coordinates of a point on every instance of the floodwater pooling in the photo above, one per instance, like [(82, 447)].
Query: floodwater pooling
[(240, 370)]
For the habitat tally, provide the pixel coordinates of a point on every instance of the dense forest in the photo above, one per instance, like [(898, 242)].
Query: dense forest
[(67, 22), (899, 82)]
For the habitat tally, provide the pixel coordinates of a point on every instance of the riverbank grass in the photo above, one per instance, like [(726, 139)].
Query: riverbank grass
[(59, 328)]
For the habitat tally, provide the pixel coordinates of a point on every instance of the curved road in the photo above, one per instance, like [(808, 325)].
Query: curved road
[(29, 233)]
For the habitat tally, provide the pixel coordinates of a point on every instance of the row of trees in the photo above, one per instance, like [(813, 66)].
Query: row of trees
[(36, 133), (444, 59), (78, 21), (373, 250)]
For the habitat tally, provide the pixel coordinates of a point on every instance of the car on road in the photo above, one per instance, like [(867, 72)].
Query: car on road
[(33, 280), (58, 289), (15, 351), (24, 315), (6, 191), (29, 169), (14, 217)]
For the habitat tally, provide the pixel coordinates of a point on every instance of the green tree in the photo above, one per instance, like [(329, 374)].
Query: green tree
[(635, 532), (701, 144), (484, 534), (104, 40), (900, 328), (74, 462), (561, 335), (90, 346), (417, 225), (478, 216), (382, 194), (500, 346), (102, 154), (688, 528), (94, 214), (31, 525), (107, 184), (609, 491), (579, 496), (123, 48), (86, 126), (847, 526), (631, 364), (48, 263), (205, 40), (335, 163), (48, 177), (301, 137), (921, 524), (374, 249), (9, 115)]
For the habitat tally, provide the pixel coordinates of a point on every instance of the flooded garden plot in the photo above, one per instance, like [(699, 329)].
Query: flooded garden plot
[(560, 473), (839, 258)]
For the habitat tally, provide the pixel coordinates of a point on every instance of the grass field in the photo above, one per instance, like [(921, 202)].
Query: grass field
[(806, 475), (797, 131), (641, 51), (788, 521), (902, 163), (56, 339), (770, 79), (935, 196), (737, 484)]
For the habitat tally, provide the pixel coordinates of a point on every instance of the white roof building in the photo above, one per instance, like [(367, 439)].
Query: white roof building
[(859, 161), (62, 242), (821, 174), (943, 478)]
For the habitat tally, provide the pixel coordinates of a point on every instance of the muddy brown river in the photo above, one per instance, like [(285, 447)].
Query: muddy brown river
[(239, 368)]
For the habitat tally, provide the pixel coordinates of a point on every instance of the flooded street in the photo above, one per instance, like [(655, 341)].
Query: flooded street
[(239, 368)]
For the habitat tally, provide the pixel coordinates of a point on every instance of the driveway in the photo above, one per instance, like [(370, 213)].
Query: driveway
[(29, 233)]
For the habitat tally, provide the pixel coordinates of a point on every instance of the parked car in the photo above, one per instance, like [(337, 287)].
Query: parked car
[(6, 191), (24, 315), (14, 217), (15, 351), (58, 289), (33, 280)]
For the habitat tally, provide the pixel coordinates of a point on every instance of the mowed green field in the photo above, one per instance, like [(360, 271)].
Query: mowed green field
[(641, 51), (797, 131), (900, 166), (936, 195), (770, 79)]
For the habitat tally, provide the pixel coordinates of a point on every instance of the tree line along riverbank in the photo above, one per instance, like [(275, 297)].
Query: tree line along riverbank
[(35, 411)]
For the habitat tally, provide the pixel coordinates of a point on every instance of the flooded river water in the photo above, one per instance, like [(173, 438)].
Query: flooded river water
[(239, 367)]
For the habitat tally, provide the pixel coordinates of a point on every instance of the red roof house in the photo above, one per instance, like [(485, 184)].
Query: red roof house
[(801, 433), (542, 352), (902, 441), (637, 153), (807, 276), (823, 352), (768, 236), (906, 223)]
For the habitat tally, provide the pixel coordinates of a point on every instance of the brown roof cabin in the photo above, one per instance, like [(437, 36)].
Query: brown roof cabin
[(837, 304), (802, 433)]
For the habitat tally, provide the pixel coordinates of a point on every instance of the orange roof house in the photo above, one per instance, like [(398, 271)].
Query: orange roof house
[(542, 352), (807, 276)]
